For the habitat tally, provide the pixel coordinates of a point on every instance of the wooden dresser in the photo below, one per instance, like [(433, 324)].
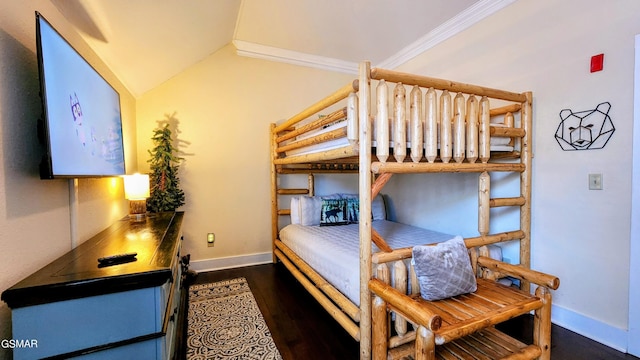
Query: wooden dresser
[(76, 308)]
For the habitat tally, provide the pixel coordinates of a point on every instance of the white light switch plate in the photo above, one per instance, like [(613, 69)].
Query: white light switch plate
[(595, 181)]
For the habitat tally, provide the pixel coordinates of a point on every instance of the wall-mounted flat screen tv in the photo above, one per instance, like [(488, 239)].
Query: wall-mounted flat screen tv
[(81, 128)]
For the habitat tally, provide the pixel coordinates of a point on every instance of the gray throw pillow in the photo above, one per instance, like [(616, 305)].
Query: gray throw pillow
[(444, 270)]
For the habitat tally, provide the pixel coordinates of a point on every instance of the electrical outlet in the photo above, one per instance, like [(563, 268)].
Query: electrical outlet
[(595, 181), (211, 239)]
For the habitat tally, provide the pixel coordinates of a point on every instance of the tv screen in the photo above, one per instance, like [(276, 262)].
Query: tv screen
[(81, 126)]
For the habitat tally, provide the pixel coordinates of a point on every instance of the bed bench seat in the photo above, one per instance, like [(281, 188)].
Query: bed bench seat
[(464, 324)]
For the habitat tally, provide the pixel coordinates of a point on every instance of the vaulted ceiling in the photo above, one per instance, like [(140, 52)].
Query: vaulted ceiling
[(146, 42)]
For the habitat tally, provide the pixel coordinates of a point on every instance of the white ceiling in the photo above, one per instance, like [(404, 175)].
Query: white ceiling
[(146, 42)]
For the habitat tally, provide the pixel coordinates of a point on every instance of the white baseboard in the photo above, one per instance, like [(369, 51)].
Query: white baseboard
[(596, 330), (231, 262)]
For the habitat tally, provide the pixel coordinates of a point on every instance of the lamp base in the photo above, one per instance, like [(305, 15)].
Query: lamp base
[(137, 210)]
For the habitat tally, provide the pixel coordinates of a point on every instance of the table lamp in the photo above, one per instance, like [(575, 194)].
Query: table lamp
[(136, 190)]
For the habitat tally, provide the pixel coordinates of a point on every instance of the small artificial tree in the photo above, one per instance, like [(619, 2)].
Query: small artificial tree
[(166, 194)]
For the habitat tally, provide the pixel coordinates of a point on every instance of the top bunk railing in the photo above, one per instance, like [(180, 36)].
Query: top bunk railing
[(415, 119), (440, 84), (328, 101)]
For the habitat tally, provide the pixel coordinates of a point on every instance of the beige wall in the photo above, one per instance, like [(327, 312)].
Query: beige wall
[(545, 46), (224, 106), (35, 214)]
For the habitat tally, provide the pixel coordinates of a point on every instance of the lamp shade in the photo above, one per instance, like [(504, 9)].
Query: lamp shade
[(136, 186)]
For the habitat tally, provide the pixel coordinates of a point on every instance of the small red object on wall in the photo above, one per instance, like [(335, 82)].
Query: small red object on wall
[(597, 62)]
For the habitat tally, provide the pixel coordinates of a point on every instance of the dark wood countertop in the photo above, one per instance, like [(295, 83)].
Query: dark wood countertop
[(77, 274)]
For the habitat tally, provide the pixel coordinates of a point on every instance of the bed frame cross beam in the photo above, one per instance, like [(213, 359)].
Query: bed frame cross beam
[(379, 183), (376, 187), (380, 242)]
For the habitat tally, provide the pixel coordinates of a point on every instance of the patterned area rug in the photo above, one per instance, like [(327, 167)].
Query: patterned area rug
[(225, 323)]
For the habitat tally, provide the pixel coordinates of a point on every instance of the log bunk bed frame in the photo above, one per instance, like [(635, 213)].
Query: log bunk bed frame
[(463, 324)]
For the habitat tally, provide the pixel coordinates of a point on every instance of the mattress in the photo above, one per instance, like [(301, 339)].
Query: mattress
[(497, 143), (334, 251)]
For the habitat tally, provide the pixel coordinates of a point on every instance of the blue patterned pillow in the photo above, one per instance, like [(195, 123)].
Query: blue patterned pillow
[(334, 212), (353, 210), (378, 208)]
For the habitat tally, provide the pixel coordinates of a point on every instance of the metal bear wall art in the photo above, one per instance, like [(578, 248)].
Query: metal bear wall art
[(585, 130)]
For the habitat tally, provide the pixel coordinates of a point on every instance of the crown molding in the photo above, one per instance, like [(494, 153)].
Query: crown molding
[(249, 49), (470, 16), (464, 20)]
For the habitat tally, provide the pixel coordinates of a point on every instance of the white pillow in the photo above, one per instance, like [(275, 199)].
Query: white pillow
[(378, 208), (310, 209), (295, 210), (305, 210)]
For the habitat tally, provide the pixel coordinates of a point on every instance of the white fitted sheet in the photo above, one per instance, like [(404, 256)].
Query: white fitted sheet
[(334, 252)]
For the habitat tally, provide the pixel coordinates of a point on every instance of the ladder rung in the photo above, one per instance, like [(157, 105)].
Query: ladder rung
[(512, 201), (293, 191), (284, 212), (506, 132), (505, 109)]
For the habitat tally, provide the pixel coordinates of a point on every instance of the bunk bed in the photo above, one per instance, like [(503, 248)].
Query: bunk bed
[(407, 124)]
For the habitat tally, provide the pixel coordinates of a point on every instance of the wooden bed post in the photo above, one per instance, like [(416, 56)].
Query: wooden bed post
[(382, 121), (459, 128), (525, 184), (431, 125), (484, 207), (542, 323), (311, 185), (484, 137), (472, 129), (380, 329), (416, 118), (399, 123), (445, 127), (274, 194), (364, 184), (425, 344)]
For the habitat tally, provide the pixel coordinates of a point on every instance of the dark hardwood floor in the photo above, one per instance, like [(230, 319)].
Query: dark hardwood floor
[(302, 329)]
